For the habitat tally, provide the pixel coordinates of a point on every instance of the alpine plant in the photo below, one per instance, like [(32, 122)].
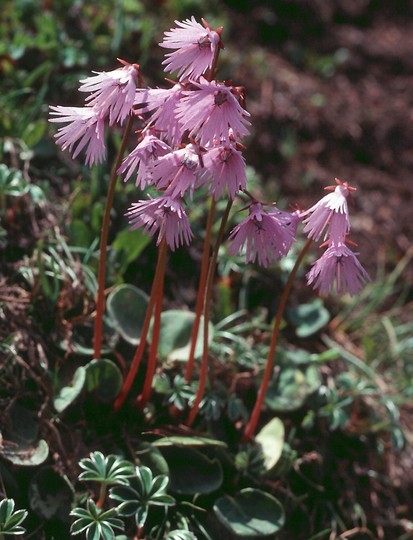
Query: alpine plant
[(191, 137)]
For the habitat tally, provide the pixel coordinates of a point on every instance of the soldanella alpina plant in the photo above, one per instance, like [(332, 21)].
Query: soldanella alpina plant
[(188, 139)]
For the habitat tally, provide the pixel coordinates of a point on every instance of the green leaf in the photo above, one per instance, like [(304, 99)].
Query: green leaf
[(10, 520), (106, 470), (104, 378), (251, 513), (68, 394), (50, 495), (127, 306), (271, 439), (151, 457), (27, 456), (188, 441), (309, 318), (129, 245), (175, 338), (292, 388), (191, 472)]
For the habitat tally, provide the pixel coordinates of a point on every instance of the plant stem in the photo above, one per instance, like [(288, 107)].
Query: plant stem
[(127, 384), (201, 290), (253, 421), (100, 296), (102, 495), (150, 370), (206, 311)]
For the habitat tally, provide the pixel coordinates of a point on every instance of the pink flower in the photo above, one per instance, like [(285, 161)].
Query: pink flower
[(211, 112), (178, 171), (338, 268), (224, 166), (113, 92), (330, 212), (165, 214), (142, 157), (85, 129), (267, 237), (195, 46), (163, 105)]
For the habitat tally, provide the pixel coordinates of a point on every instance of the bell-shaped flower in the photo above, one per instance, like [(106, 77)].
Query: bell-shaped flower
[(113, 92), (224, 168), (142, 157), (338, 269), (165, 214), (162, 103), (265, 236), (195, 48), (212, 112), (179, 170), (85, 129), (330, 214)]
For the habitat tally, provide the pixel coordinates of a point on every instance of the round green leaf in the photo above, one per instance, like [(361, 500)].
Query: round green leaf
[(292, 388), (309, 318), (50, 495), (271, 439), (67, 394), (27, 456), (104, 378), (191, 472), (127, 306), (150, 456), (251, 513), (175, 338)]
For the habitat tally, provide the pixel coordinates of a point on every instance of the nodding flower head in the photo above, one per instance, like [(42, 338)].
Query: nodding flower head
[(266, 236), (113, 92), (337, 269), (164, 214), (212, 112), (330, 214), (85, 129), (195, 48)]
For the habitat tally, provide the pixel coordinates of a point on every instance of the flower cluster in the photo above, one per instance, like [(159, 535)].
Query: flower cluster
[(190, 138), (191, 135)]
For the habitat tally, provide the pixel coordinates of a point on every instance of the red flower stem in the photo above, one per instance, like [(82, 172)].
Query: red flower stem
[(100, 295), (130, 377), (201, 290), (150, 370), (206, 311), (253, 421), (102, 495)]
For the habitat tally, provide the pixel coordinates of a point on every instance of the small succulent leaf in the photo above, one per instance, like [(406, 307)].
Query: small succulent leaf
[(159, 484), (17, 518), (93, 510), (93, 532), (144, 474), (80, 513), (123, 493), (162, 500), (128, 508), (6, 510), (180, 535), (79, 525), (141, 515)]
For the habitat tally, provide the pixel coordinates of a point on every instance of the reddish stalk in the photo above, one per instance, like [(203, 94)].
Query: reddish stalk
[(100, 295), (206, 310), (158, 278), (201, 290), (153, 352), (253, 421)]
